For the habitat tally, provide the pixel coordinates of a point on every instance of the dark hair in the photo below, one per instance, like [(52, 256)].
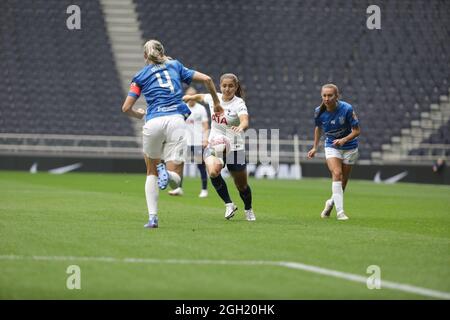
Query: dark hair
[(336, 91), (239, 91)]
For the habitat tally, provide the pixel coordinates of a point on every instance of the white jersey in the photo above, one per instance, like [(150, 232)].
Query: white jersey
[(221, 125), (194, 131)]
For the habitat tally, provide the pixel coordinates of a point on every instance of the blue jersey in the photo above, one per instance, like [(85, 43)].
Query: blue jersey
[(337, 124), (161, 86)]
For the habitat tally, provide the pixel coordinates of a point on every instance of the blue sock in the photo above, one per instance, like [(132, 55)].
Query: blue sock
[(246, 196), (202, 169), (221, 188)]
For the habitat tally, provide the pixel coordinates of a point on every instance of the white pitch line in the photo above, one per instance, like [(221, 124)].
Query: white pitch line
[(291, 265), (357, 278)]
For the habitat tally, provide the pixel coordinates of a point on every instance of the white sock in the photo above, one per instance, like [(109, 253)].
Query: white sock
[(174, 179), (338, 195), (331, 200), (151, 195)]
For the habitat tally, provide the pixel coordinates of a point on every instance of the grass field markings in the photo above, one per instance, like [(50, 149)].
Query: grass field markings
[(362, 279), (290, 265)]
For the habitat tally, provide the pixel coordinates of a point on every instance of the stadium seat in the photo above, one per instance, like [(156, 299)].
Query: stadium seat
[(56, 80)]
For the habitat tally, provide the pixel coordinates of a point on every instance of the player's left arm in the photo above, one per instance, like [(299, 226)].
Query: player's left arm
[(243, 125), (355, 132), (353, 120)]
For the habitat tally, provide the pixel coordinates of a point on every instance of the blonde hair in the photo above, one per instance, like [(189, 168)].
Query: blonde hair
[(336, 92), (331, 86), (154, 52), (232, 76)]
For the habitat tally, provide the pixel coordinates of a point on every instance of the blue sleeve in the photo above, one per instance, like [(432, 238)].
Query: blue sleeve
[(185, 73), (352, 118)]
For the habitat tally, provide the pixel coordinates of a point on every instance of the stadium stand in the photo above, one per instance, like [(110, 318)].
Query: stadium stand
[(56, 81), (390, 75), (442, 136)]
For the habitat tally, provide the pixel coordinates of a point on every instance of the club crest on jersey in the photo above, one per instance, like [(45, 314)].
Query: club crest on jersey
[(341, 120), (219, 119)]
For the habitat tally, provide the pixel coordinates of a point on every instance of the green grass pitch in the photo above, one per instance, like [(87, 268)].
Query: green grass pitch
[(404, 229)]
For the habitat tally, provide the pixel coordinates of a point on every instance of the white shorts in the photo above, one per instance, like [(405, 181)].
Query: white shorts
[(347, 156), (165, 138)]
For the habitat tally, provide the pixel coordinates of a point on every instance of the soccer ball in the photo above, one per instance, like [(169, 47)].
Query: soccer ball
[(219, 146)]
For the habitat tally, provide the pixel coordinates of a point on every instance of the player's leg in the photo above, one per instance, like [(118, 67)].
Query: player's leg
[(241, 182), (198, 159), (346, 170), (175, 171), (350, 158), (329, 203), (174, 151), (152, 147), (238, 169), (335, 167), (214, 168), (151, 192), (204, 178)]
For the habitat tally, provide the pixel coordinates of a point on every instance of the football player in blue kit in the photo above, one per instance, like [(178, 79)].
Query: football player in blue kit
[(339, 122), (160, 81)]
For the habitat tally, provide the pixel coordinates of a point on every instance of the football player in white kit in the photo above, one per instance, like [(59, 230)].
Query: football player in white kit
[(232, 124), (160, 81), (197, 126)]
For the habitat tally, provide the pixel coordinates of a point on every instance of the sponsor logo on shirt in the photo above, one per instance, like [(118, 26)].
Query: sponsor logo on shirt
[(167, 109), (219, 119)]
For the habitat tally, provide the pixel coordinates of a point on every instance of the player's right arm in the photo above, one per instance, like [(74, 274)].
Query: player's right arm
[(209, 84), (199, 97), (317, 134)]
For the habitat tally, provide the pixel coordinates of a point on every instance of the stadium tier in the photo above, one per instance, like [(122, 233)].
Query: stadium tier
[(53, 80), (283, 51), (60, 82), (442, 136)]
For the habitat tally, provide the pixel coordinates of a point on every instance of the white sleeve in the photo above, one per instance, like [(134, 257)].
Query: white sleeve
[(207, 98), (204, 114), (241, 108)]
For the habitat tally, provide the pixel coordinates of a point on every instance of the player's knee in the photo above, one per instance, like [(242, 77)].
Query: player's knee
[(241, 187), (213, 173), (337, 175)]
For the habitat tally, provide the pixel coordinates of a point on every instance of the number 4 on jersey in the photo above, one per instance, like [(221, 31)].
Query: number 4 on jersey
[(168, 83)]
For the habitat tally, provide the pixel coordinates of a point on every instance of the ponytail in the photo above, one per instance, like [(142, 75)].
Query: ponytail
[(322, 109)]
